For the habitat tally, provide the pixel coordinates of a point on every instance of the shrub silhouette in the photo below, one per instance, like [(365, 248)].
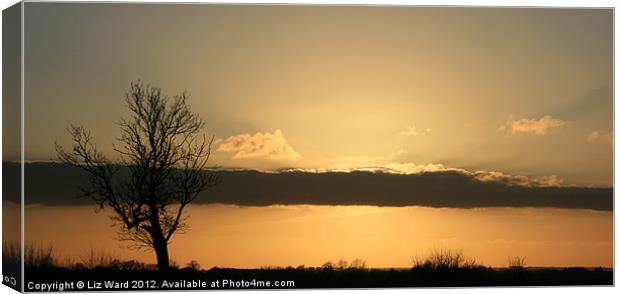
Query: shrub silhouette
[(516, 262), (342, 264), (39, 257), (94, 259), (445, 259), (328, 265), (193, 265), (11, 253), (357, 264)]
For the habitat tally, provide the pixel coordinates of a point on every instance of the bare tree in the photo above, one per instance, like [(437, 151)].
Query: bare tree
[(162, 155)]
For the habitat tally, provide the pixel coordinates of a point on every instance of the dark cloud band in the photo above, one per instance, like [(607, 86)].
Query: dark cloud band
[(53, 184)]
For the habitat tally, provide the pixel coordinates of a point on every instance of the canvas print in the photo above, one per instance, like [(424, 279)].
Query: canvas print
[(210, 146)]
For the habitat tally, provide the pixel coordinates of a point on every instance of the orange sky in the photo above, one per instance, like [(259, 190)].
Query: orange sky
[(247, 237)]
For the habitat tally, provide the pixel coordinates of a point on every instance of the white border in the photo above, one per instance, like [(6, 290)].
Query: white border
[(23, 247)]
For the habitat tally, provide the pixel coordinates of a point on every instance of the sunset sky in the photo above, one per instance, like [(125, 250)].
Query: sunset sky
[(521, 91), (517, 101)]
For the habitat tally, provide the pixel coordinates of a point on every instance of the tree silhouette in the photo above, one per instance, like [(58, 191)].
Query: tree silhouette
[(162, 155)]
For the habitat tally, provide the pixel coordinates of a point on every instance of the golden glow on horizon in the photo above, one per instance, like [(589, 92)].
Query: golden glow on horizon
[(250, 237)]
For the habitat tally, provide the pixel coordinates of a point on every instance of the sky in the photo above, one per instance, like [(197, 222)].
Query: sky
[(525, 92)]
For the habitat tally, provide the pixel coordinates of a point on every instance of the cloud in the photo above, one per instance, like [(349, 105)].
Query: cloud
[(412, 131), (260, 145), (549, 181), (411, 168), (517, 180), (399, 152), (597, 136), (482, 176), (432, 185), (533, 126), (594, 136)]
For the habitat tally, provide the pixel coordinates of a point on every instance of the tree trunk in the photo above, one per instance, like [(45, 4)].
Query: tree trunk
[(161, 250), (159, 244)]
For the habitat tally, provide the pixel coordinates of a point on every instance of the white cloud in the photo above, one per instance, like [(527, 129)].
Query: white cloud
[(411, 168), (485, 176), (412, 131), (482, 176), (399, 152), (533, 126), (549, 181), (594, 136), (518, 180), (597, 136), (260, 145), (494, 176)]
